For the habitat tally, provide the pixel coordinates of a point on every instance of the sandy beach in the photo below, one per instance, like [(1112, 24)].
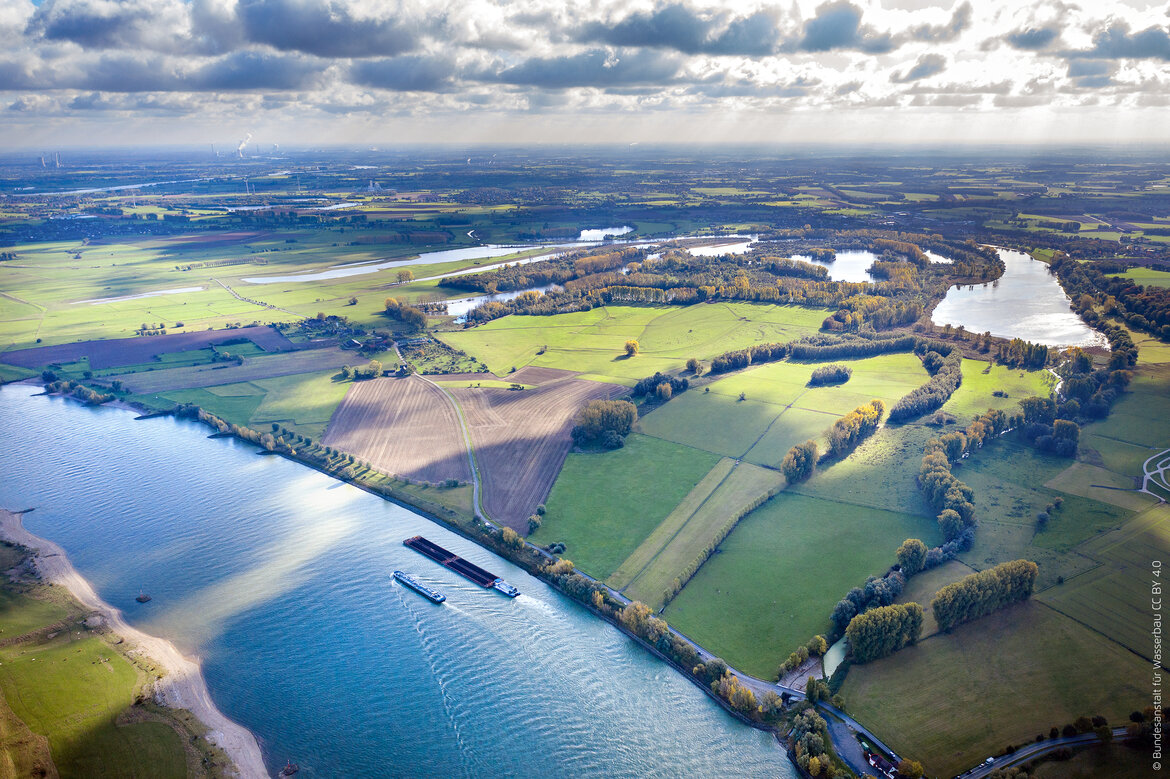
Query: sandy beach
[(182, 686)]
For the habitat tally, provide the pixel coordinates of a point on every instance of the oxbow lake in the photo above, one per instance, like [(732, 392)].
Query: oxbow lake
[(1026, 302), (278, 578)]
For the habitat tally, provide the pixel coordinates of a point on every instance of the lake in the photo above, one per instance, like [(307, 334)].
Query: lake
[(1026, 302), (278, 578)]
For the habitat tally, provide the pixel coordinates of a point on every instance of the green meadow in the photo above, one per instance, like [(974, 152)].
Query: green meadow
[(604, 504), (775, 580)]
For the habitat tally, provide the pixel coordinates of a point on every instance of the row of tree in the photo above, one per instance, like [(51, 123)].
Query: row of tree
[(1141, 307), (984, 592), (948, 375), (882, 631), (650, 385), (853, 428)]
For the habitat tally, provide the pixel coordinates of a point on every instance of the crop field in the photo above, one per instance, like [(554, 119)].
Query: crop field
[(132, 351), (266, 366), (974, 395), (955, 698), (777, 577), (778, 409), (401, 426), (1108, 597), (592, 342), (521, 439), (605, 504), (742, 489)]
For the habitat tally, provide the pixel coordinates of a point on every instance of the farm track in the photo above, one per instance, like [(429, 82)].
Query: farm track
[(521, 438), (402, 426)]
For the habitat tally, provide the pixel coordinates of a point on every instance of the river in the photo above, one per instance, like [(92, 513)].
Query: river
[(1026, 302), (277, 577)]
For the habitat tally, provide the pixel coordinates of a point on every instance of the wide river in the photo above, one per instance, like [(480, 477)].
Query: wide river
[(278, 578)]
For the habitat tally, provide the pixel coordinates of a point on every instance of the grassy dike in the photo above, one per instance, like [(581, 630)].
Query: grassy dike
[(76, 702)]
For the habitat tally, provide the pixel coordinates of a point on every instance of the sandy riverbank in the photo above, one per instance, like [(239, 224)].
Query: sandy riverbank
[(182, 685)]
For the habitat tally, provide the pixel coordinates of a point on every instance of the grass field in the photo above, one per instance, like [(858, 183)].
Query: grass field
[(301, 402), (1114, 597), (974, 395), (604, 504), (1116, 761), (68, 695), (740, 490), (955, 698), (674, 522), (777, 577), (880, 473), (1146, 277), (592, 342), (779, 410)]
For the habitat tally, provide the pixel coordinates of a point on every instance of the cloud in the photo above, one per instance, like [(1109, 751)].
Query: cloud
[(324, 28), (404, 73), (1116, 42), (928, 65), (594, 68), (1033, 38), (105, 24), (837, 25), (1091, 74), (678, 27), (942, 33)]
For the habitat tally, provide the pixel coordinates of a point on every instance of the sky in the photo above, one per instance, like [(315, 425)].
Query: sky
[(305, 72)]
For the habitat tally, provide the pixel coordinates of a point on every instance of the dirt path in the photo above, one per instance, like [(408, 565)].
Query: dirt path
[(182, 685), (476, 502), (1155, 470)]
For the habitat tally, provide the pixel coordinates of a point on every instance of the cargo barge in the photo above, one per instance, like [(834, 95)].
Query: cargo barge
[(460, 566), (419, 587)]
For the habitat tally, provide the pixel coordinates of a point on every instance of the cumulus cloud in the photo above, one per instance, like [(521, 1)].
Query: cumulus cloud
[(678, 27), (928, 65), (837, 25), (1117, 42), (595, 68), (345, 57), (1033, 38), (404, 73), (325, 28)]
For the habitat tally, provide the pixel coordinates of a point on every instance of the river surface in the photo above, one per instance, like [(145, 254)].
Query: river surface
[(278, 578), (1026, 302)]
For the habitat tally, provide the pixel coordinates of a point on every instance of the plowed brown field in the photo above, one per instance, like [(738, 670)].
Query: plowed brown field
[(404, 427), (521, 438)]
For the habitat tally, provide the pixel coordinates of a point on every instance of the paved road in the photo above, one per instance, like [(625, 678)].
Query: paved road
[(1024, 754)]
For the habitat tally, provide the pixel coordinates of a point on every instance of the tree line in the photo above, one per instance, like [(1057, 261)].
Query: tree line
[(650, 386), (882, 631), (947, 376), (853, 428), (984, 592), (1144, 308), (410, 316)]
